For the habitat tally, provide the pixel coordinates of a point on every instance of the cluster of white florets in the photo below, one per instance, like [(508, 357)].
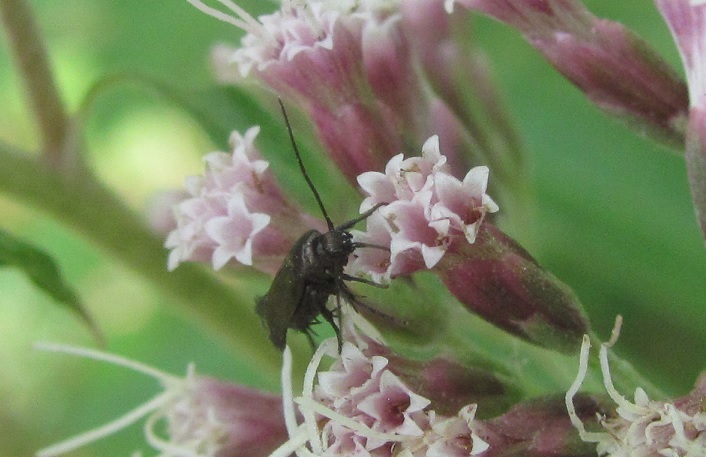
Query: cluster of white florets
[(427, 208), (641, 428), (359, 407), (235, 211)]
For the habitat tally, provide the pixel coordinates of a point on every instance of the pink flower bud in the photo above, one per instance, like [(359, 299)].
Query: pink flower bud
[(390, 71), (348, 65), (498, 280), (469, 115), (687, 21), (357, 137), (541, 428), (617, 70)]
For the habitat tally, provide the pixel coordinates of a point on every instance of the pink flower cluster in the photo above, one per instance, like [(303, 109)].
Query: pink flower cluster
[(362, 408), (346, 63), (427, 210), (235, 211)]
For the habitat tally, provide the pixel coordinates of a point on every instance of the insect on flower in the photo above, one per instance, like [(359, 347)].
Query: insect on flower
[(311, 273)]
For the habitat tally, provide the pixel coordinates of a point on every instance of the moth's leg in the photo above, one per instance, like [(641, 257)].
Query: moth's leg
[(360, 244), (364, 281), (310, 336), (329, 316), (358, 304)]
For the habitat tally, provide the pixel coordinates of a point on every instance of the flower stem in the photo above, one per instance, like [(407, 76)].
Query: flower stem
[(33, 64), (86, 205), (64, 188)]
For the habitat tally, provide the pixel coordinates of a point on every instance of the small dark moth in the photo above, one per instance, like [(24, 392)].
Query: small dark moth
[(311, 273)]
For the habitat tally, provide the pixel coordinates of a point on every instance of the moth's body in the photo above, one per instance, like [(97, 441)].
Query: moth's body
[(310, 274)]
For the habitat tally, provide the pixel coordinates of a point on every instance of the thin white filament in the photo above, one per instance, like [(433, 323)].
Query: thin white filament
[(163, 445), (244, 15), (101, 356), (605, 369), (221, 16), (364, 325), (308, 392), (290, 419), (107, 429), (573, 390)]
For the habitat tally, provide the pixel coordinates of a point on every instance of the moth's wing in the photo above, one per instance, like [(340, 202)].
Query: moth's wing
[(278, 306)]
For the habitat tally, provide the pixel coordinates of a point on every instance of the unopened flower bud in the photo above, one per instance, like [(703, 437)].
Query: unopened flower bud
[(357, 137), (541, 428), (460, 75), (498, 280), (687, 21), (616, 70)]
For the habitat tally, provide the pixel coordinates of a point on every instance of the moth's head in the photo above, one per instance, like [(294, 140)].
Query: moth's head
[(336, 243)]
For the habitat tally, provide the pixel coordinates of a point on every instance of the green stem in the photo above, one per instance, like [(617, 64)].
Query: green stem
[(33, 64), (63, 187), (85, 205)]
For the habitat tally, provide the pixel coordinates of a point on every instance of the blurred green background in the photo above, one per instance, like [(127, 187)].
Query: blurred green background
[(613, 217)]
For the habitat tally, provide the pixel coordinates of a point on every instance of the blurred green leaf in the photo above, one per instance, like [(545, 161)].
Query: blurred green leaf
[(44, 272)]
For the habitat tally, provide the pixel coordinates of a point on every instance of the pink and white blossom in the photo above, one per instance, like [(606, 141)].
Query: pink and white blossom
[(348, 64), (235, 212), (196, 415), (427, 210), (234, 232), (360, 407)]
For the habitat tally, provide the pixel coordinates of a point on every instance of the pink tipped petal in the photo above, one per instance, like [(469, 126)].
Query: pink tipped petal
[(392, 408), (372, 262), (432, 255), (234, 233), (426, 208), (236, 211)]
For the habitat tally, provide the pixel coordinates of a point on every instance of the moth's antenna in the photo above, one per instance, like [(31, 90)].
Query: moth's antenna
[(301, 166)]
